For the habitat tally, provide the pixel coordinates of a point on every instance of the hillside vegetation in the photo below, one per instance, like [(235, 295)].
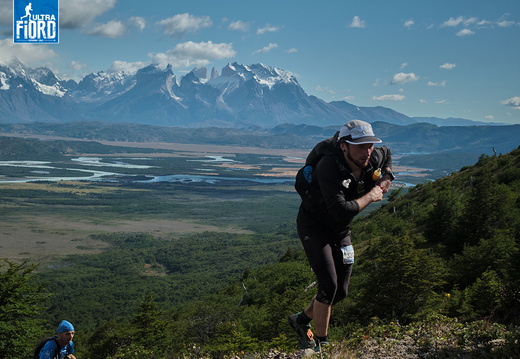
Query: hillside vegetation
[(437, 268)]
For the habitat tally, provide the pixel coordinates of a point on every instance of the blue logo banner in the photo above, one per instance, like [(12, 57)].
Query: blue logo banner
[(35, 21)]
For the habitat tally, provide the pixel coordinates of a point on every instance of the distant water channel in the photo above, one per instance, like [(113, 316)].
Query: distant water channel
[(42, 168), (210, 179)]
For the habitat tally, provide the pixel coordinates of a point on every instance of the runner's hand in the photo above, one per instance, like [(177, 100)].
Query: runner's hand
[(375, 194), (384, 183)]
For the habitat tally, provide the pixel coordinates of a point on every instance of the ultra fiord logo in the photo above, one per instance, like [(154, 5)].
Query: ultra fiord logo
[(35, 21)]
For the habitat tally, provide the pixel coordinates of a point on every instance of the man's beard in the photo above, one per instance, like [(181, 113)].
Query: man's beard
[(358, 163)]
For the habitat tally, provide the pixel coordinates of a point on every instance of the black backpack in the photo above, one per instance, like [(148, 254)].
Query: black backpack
[(308, 190), (310, 193), (36, 354)]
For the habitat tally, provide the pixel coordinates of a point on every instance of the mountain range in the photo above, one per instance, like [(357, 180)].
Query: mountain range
[(240, 96)]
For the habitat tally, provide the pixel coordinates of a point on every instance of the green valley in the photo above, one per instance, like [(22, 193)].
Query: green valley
[(205, 262)]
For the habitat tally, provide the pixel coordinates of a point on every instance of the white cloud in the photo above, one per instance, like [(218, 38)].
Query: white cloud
[(452, 22), (266, 49), (461, 20), (292, 51), (324, 89), (513, 101), (469, 24), (129, 67), (357, 22), (138, 22), (28, 53), (466, 22), (6, 12), (502, 22), (505, 23), (431, 83), (77, 66), (465, 32), (403, 65), (402, 78), (447, 66), (489, 117), (112, 29), (483, 24), (180, 24), (422, 100), (441, 101), (238, 26), (267, 28), (470, 20), (409, 23), (388, 98), (193, 54), (78, 13)]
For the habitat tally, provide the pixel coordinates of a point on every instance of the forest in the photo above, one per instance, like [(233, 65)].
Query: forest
[(438, 266)]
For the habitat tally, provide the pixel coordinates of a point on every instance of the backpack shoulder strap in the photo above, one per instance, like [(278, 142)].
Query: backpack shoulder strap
[(42, 344), (342, 168), (69, 349), (323, 148), (56, 351), (381, 156)]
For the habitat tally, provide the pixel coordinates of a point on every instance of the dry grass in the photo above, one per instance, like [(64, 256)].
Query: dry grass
[(37, 235), (45, 236)]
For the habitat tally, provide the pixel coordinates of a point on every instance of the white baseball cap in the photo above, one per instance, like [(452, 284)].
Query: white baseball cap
[(358, 132)]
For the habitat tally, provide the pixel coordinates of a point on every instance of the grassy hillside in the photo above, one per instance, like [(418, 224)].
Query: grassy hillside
[(462, 233), (440, 262), (437, 267)]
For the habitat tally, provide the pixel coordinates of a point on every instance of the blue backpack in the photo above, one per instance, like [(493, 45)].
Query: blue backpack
[(41, 344)]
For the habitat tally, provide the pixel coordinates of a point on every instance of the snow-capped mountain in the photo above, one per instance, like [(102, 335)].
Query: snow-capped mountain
[(17, 74), (152, 100), (241, 96), (32, 95), (102, 86)]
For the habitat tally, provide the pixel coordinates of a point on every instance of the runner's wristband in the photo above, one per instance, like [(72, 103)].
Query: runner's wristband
[(391, 174)]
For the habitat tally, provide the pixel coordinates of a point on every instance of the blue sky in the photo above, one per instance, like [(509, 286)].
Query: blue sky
[(440, 58)]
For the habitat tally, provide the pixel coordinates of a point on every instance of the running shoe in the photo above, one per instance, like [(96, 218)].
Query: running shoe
[(320, 345), (305, 335)]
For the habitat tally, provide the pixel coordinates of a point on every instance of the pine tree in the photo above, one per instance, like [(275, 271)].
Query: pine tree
[(21, 299), (442, 220), (400, 280)]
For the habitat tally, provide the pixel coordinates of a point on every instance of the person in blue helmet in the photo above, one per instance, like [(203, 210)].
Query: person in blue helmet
[(61, 346)]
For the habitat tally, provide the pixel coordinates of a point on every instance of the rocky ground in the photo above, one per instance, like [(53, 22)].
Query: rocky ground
[(385, 349)]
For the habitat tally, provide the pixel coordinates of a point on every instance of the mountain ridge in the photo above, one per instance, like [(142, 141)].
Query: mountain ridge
[(418, 138), (241, 96)]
